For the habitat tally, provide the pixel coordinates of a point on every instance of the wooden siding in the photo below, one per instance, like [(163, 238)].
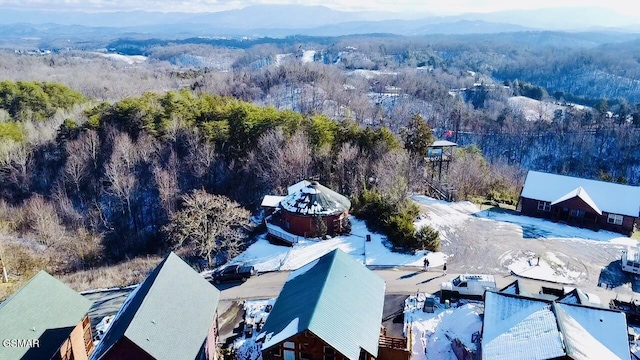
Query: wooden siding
[(211, 345), (307, 346), (76, 346), (591, 219), (304, 225)]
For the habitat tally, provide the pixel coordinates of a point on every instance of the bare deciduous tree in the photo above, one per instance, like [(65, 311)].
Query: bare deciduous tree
[(210, 224), (279, 161)]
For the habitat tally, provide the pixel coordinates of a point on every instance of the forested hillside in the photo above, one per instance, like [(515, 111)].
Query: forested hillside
[(104, 157)]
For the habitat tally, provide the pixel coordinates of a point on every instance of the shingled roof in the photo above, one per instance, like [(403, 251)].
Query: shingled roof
[(334, 297), (168, 316), (521, 327), (45, 309), (600, 195), (315, 199)]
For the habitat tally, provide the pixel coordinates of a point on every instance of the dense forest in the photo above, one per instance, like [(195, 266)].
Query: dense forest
[(105, 157)]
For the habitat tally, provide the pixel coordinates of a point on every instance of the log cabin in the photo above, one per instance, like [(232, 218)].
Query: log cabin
[(329, 309), (581, 202), (172, 314), (44, 320)]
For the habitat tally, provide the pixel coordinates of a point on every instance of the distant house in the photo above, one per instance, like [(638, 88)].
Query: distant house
[(49, 319), (172, 314), (581, 202), (329, 309), (521, 327)]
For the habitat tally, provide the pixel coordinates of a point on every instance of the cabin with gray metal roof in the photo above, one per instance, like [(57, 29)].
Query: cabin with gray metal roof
[(172, 314), (46, 319), (330, 308)]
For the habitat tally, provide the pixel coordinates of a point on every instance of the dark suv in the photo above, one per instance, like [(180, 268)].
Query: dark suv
[(233, 273)]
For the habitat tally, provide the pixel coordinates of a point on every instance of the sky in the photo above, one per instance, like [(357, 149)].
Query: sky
[(435, 7)]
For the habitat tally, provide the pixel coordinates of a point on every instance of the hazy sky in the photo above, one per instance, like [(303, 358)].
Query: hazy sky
[(439, 7)]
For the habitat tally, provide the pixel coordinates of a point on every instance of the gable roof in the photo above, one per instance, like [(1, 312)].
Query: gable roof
[(575, 296), (527, 328), (517, 327), (45, 309), (593, 333), (580, 193), (334, 297), (168, 315), (605, 196)]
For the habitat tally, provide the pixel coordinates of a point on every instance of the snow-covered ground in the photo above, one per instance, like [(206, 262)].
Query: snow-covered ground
[(307, 56), (256, 313), (129, 59), (450, 218), (431, 333), (265, 256), (459, 212)]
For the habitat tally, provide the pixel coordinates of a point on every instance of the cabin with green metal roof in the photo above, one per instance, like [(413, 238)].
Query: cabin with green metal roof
[(328, 309), (171, 315), (43, 320)]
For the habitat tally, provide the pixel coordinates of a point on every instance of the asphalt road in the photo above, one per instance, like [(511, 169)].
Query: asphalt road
[(399, 283)]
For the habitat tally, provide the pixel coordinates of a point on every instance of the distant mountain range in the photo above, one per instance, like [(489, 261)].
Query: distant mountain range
[(284, 20)]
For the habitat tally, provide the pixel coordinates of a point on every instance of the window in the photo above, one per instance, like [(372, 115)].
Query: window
[(329, 353), (289, 350), (544, 206), (615, 219), (463, 284), (577, 213)]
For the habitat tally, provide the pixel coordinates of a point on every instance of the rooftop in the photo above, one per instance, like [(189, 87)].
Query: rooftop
[(315, 199), (45, 309), (605, 196), (527, 328), (334, 297), (168, 315)]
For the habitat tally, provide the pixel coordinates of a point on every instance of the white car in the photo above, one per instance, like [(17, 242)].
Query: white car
[(469, 285)]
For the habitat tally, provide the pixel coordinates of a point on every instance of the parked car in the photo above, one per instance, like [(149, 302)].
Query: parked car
[(233, 273), (468, 285)]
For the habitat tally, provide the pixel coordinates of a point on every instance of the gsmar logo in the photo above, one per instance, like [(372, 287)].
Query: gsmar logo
[(21, 343)]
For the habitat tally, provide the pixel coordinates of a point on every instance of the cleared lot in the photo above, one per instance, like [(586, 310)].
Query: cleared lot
[(489, 241)]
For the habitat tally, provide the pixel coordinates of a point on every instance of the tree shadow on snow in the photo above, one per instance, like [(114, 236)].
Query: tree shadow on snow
[(612, 276)]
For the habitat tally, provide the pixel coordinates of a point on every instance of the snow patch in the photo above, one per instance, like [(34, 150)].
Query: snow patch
[(265, 256), (307, 56), (289, 331), (302, 270), (432, 333)]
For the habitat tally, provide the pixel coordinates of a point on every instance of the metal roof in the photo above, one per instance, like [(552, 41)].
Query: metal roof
[(45, 309), (608, 197), (334, 297), (315, 199), (593, 333), (168, 316), (519, 327)]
